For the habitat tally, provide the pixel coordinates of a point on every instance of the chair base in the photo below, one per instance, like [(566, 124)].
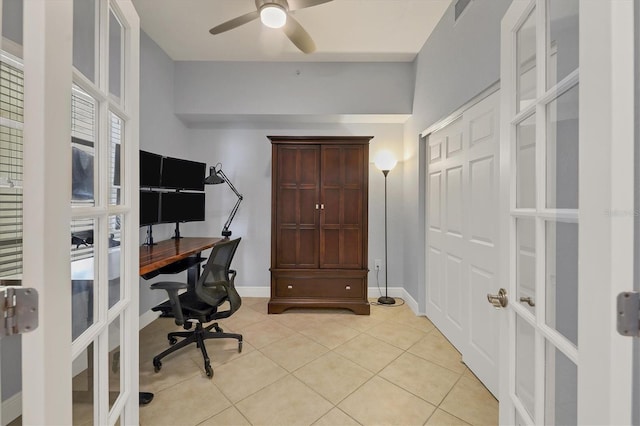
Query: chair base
[(197, 336)]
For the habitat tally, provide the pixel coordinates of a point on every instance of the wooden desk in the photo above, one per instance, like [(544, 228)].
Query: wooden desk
[(168, 252)]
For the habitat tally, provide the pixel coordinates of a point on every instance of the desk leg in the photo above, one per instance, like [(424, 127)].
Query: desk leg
[(193, 274)]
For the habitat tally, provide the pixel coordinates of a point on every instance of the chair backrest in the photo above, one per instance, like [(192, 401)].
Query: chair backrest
[(216, 283)]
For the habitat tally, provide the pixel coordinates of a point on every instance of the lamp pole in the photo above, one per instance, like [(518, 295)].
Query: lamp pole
[(386, 300)]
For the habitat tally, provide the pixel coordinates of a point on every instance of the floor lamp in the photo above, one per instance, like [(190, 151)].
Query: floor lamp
[(217, 176), (385, 161)]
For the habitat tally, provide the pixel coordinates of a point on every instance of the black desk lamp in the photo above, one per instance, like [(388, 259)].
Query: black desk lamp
[(217, 176), (385, 161)]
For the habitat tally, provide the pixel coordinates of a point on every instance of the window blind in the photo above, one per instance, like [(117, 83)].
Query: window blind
[(12, 118)]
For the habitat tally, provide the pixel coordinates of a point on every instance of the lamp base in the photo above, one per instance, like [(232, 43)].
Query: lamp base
[(386, 300)]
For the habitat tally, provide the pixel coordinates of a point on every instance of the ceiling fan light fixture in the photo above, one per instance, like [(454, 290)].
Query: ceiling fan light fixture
[(273, 15)]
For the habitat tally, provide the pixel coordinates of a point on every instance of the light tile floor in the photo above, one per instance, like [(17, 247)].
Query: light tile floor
[(315, 367)]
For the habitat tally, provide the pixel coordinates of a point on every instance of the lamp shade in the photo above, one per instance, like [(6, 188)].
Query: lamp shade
[(385, 160), (273, 16)]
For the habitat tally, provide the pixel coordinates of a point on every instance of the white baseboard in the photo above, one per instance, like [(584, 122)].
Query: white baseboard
[(12, 408), (400, 292), (246, 291), (264, 291), (147, 318)]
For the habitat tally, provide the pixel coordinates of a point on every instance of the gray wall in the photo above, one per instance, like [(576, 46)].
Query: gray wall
[(457, 62), (160, 132), (245, 154), (282, 88), (12, 20)]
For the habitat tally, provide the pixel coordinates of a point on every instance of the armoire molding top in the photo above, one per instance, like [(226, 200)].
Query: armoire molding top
[(324, 140)]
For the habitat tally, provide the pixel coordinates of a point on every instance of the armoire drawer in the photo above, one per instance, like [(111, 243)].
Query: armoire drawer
[(342, 288)]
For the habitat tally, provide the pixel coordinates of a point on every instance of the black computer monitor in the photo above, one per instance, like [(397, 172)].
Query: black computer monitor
[(183, 174), (150, 169), (181, 207), (149, 208)]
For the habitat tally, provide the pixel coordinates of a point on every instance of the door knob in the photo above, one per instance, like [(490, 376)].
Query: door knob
[(499, 300)]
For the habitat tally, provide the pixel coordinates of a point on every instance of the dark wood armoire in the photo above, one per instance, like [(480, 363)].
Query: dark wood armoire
[(319, 222)]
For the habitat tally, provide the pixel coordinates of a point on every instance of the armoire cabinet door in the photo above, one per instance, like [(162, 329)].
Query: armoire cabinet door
[(297, 191), (342, 185)]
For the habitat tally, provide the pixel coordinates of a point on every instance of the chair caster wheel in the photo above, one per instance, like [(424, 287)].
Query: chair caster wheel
[(239, 347), (208, 370), (157, 365), (173, 341), (218, 329)]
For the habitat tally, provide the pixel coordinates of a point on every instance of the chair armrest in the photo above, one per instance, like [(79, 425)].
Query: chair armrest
[(172, 287), (168, 285)]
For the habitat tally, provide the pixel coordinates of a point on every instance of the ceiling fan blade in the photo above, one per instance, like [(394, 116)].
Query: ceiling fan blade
[(235, 22), (298, 35), (301, 4)]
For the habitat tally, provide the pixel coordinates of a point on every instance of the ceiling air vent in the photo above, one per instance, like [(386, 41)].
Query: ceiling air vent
[(460, 7)]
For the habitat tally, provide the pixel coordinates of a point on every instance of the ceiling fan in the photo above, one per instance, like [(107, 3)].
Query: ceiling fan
[(275, 14)]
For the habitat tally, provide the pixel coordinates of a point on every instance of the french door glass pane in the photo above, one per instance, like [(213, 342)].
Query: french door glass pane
[(115, 56), (84, 37), (562, 43), (525, 365), (115, 344), (115, 159), (561, 278), (83, 147), (526, 261), (561, 388), (11, 161), (82, 275), (526, 71), (12, 13), (114, 271), (82, 386), (562, 151), (526, 163)]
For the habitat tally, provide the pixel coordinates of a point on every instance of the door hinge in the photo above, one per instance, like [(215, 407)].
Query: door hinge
[(19, 308), (628, 312)]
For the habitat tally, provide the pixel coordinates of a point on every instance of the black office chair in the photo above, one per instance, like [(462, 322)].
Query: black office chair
[(200, 304)]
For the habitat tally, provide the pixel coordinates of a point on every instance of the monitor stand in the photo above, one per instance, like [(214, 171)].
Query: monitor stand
[(149, 241), (176, 234)]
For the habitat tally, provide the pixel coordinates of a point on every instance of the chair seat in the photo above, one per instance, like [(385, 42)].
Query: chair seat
[(195, 308)]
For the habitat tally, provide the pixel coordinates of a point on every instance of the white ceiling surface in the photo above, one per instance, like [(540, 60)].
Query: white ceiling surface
[(343, 30)]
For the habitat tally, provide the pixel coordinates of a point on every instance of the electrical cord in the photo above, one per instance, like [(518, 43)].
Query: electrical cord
[(395, 305)]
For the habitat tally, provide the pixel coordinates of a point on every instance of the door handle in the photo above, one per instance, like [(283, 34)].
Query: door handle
[(528, 300), (499, 300)]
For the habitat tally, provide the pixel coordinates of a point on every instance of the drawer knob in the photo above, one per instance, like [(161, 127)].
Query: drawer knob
[(289, 287), (348, 287)]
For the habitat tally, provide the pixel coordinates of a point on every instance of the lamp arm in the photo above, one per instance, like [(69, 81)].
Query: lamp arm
[(226, 179), (234, 210)]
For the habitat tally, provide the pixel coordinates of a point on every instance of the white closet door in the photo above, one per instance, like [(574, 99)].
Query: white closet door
[(462, 234)]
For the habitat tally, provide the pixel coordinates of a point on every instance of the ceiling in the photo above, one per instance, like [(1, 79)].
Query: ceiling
[(343, 30)]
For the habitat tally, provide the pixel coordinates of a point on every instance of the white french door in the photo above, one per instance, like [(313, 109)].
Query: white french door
[(79, 239), (566, 210)]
